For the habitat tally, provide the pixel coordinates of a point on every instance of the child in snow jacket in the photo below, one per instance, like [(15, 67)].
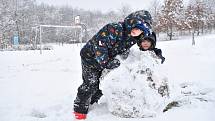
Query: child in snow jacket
[(100, 51), (149, 43)]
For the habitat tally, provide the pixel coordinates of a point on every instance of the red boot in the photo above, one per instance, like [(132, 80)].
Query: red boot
[(80, 116)]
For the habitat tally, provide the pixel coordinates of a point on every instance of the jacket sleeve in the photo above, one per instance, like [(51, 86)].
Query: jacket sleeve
[(105, 39), (158, 52)]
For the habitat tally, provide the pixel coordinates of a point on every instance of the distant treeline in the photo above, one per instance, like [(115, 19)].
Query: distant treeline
[(18, 17)]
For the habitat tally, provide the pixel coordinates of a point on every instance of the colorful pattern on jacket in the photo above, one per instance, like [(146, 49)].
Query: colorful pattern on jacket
[(111, 40)]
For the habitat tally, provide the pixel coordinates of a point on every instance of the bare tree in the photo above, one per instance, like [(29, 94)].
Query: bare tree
[(125, 10), (6, 21), (170, 11), (155, 12)]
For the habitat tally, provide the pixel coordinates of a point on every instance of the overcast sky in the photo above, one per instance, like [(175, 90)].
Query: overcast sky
[(103, 5)]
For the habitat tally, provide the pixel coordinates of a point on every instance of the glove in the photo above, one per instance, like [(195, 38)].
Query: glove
[(112, 64), (162, 59), (158, 52), (124, 55)]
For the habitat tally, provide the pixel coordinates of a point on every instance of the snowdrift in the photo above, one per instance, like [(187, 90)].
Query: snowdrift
[(137, 88)]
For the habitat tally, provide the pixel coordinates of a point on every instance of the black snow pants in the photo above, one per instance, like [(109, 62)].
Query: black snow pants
[(88, 92)]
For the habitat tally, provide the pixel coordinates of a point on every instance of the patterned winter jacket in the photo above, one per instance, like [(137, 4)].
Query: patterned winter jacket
[(113, 39)]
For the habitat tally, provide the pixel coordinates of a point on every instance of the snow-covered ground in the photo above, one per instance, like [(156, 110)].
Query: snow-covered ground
[(36, 87)]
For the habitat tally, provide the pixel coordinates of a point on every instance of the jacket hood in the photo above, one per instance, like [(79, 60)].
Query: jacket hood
[(152, 38), (136, 18)]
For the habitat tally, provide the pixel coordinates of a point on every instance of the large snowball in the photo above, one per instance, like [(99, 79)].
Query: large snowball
[(137, 88)]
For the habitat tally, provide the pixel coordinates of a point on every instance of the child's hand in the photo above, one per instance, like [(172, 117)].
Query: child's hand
[(124, 55), (113, 64), (162, 60)]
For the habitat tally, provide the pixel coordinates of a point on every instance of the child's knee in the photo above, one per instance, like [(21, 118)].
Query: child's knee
[(89, 88)]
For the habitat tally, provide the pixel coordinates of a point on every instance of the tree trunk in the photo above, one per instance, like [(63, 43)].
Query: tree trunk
[(193, 38), (170, 36), (202, 28)]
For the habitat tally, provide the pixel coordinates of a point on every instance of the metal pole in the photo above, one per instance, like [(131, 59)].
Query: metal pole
[(35, 41), (40, 39), (81, 36)]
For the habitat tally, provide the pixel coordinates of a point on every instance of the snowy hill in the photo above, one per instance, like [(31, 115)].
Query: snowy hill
[(36, 87)]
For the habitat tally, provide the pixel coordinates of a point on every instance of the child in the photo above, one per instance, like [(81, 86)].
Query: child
[(149, 43), (99, 53)]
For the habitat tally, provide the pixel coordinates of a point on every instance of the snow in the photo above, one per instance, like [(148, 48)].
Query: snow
[(38, 87), (137, 88)]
